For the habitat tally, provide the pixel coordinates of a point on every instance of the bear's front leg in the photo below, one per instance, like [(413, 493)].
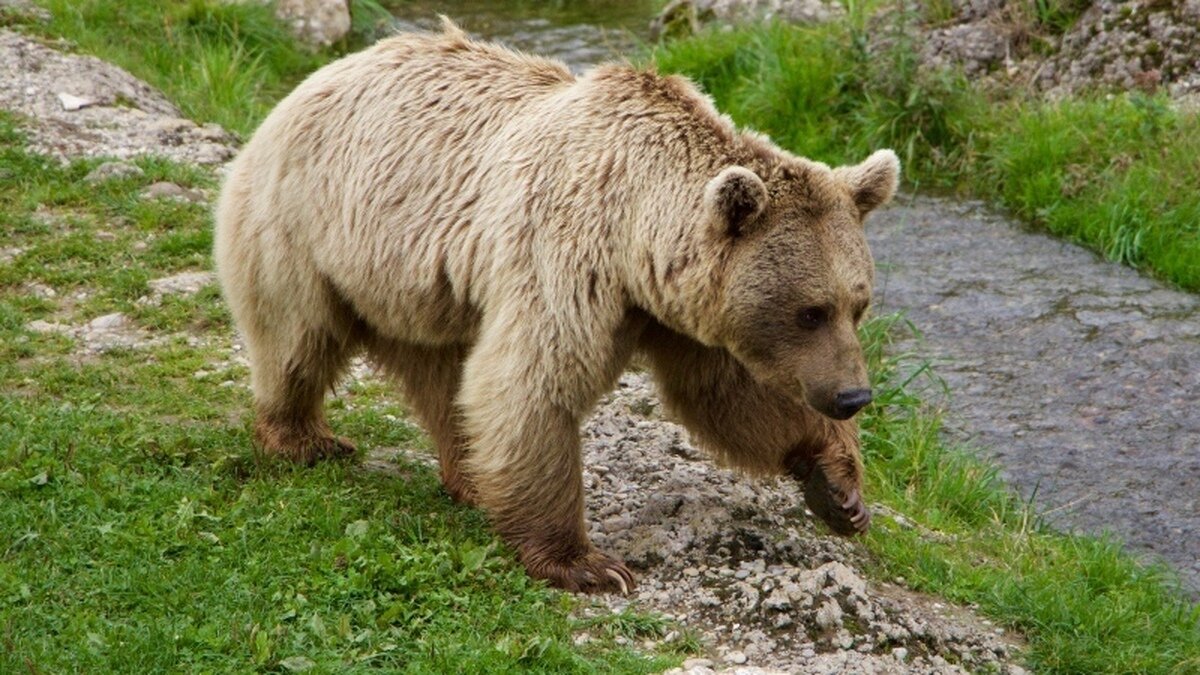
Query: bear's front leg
[(831, 471), (749, 426), (522, 400)]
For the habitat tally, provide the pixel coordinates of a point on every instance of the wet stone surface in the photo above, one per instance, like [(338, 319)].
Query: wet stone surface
[(1080, 377)]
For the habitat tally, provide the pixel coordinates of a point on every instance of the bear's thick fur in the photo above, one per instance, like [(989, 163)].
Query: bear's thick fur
[(504, 237)]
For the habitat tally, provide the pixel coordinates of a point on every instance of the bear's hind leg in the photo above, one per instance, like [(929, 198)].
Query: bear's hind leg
[(430, 377), (293, 364)]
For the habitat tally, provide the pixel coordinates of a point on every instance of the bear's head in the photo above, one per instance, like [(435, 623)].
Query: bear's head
[(799, 275)]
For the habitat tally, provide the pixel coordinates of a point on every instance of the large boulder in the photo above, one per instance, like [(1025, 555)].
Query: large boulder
[(317, 22)]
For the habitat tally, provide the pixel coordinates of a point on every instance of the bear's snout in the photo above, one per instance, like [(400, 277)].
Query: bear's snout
[(846, 403)]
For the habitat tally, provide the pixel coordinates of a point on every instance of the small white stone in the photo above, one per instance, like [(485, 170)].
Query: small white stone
[(736, 658), (107, 322), (71, 103), (829, 615)]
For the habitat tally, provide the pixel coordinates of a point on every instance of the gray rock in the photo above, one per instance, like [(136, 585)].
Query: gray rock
[(108, 322), (165, 190), (119, 119), (319, 23), (113, 171), (685, 17)]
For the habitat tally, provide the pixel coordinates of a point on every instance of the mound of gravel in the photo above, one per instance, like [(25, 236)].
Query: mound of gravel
[(1130, 44), (742, 563), (80, 106)]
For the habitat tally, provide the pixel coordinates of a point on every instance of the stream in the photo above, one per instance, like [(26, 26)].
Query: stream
[(578, 32)]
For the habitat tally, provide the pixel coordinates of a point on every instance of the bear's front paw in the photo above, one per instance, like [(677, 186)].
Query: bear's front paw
[(842, 510), (593, 572)]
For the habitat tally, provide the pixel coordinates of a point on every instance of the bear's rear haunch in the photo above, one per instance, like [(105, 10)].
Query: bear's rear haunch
[(502, 237)]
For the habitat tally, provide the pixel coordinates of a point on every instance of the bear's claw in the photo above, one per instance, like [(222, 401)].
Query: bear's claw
[(845, 514), (594, 572), (309, 451)]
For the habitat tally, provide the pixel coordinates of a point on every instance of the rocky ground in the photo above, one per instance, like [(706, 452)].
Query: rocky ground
[(742, 563), (1111, 44), (80, 106), (1143, 44)]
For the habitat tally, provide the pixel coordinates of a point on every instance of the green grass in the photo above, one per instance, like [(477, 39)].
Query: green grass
[(1117, 174), (142, 534)]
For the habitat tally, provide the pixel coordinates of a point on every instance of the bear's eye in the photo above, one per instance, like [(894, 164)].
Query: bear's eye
[(811, 318)]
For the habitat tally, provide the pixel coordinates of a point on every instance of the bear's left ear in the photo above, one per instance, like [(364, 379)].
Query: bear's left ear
[(872, 183), (735, 199)]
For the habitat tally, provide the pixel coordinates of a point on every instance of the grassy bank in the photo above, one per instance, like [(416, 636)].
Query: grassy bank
[(1115, 174), (141, 533)]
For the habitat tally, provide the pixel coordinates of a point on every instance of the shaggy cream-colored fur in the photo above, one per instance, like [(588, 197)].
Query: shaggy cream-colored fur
[(503, 237)]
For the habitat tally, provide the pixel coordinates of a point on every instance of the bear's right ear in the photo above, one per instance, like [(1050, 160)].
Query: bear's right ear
[(735, 199)]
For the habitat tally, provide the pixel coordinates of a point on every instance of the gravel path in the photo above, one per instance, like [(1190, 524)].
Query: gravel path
[(1080, 377)]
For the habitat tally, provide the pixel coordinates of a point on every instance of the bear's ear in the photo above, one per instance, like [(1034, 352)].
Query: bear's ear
[(872, 183), (735, 199)]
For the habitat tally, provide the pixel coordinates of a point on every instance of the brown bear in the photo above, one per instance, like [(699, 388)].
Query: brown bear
[(503, 237)]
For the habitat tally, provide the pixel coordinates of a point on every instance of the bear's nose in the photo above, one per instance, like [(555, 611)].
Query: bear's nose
[(846, 403)]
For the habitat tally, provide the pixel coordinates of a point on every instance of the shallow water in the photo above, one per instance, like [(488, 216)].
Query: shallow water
[(578, 32)]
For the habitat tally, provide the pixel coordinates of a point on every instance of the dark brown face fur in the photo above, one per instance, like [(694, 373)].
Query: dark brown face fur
[(799, 285)]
